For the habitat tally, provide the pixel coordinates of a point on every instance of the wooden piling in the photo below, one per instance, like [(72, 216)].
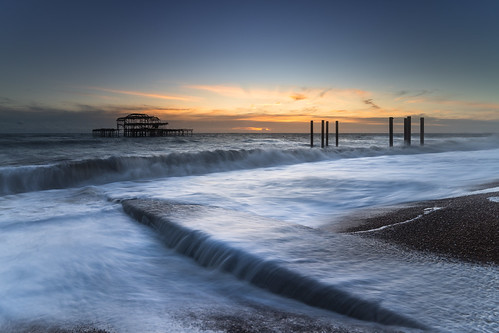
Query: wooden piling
[(409, 131), (311, 133), (390, 129), (337, 133), (421, 131), (327, 133), (405, 131), (322, 134)]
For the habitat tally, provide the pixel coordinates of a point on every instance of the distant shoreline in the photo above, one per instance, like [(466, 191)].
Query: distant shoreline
[(466, 228)]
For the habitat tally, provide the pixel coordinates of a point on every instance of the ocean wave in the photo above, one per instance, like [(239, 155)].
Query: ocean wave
[(19, 179), (104, 170)]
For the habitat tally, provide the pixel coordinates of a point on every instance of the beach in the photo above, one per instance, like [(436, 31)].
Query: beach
[(466, 228)]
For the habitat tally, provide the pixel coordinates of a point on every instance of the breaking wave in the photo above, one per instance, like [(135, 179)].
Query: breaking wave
[(27, 178), (18, 179)]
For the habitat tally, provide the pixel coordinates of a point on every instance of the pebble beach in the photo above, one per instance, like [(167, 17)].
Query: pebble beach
[(466, 228)]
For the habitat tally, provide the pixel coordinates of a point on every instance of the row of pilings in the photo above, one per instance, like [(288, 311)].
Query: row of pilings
[(407, 132), (324, 138)]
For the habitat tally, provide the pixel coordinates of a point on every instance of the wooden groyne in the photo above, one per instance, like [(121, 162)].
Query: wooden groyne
[(141, 125)]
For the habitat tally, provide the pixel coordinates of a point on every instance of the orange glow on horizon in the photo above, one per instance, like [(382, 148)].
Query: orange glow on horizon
[(256, 129), (223, 108)]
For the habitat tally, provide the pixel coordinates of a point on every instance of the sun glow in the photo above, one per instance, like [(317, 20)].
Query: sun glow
[(287, 108), (254, 129)]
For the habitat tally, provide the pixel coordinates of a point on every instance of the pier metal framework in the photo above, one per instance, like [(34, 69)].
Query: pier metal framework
[(105, 132), (140, 125)]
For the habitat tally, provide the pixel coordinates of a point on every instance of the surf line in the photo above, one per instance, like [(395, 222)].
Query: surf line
[(425, 212), (263, 273)]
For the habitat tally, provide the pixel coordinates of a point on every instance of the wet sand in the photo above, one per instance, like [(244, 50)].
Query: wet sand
[(466, 228), (264, 320)]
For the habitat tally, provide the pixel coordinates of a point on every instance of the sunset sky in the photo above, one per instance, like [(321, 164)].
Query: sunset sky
[(243, 66)]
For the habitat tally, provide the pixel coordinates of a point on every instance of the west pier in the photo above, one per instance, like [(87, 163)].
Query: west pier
[(141, 125)]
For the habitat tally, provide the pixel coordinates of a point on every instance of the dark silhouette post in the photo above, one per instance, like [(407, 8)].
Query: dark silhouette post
[(311, 133), (336, 133), (405, 131), (421, 131), (327, 133), (322, 134), (409, 131), (390, 129)]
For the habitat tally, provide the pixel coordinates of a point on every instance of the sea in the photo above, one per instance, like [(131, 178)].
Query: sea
[(233, 233)]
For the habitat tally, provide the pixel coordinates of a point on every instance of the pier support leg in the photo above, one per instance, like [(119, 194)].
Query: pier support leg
[(409, 131), (337, 133), (390, 130), (311, 133), (421, 131), (405, 131), (322, 134), (327, 133)]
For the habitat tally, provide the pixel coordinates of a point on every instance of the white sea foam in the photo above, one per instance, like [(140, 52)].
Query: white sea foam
[(425, 212), (69, 253)]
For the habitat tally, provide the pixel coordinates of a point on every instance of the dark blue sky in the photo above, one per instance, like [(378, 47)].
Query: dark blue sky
[(63, 55)]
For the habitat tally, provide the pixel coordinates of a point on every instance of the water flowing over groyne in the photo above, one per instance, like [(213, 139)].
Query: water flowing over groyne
[(267, 274)]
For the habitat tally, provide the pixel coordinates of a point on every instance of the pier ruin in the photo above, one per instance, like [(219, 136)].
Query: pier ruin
[(140, 125)]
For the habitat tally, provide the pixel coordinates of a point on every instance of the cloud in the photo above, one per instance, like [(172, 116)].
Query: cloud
[(437, 105), (5, 101), (371, 103), (39, 119), (82, 119), (227, 91), (413, 96), (143, 94), (298, 96), (47, 120), (416, 93), (324, 92), (282, 96)]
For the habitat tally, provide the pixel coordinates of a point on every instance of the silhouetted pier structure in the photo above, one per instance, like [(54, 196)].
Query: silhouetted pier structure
[(141, 125), (105, 132)]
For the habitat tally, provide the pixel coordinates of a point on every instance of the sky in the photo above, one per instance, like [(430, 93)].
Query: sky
[(249, 66)]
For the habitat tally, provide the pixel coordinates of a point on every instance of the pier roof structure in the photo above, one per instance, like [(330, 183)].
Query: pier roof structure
[(141, 124)]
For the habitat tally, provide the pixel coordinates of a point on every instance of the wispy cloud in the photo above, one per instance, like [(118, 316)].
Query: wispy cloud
[(143, 94), (5, 101), (452, 108), (414, 93), (324, 92), (227, 91), (39, 118), (278, 100), (371, 103), (471, 104), (298, 96)]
